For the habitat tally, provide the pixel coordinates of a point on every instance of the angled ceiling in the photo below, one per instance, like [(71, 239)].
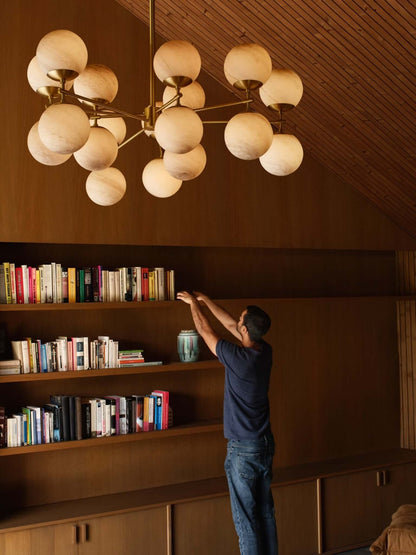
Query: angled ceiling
[(357, 61)]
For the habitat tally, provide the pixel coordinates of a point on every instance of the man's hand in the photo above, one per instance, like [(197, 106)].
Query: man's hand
[(201, 297), (185, 297)]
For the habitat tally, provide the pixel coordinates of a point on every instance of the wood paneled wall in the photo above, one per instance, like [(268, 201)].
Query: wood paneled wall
[(233, 203), (406, 331)]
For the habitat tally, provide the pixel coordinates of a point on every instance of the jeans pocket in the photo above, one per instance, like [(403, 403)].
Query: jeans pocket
[(249, 465)]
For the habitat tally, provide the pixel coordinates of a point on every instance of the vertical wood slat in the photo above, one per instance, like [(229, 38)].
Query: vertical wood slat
[(406, 333)]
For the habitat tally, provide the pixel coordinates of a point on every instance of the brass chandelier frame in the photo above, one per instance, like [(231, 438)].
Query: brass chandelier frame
[(101, 109)]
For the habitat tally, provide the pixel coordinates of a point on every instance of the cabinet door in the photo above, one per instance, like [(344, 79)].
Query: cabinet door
[(204, 527), (128, 533), (352, 506), (59, 540), (297, 518), (399, 490)]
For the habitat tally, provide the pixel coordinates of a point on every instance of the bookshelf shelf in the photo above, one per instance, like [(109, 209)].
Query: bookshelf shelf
[(107, 372), (28, 307), (208, 426)]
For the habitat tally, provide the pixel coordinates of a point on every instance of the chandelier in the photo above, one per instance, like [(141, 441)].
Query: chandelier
[(83, 122)]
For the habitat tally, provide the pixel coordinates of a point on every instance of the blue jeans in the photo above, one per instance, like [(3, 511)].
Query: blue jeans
[(248, 467)]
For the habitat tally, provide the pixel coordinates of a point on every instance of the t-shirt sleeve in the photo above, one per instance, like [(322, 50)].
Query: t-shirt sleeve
[(225, 351)]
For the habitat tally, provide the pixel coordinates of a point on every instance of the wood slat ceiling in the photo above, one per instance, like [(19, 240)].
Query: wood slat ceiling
[(357, 61)]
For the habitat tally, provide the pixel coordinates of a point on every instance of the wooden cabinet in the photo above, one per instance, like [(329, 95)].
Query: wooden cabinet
[(351, 509), (296, 510), (131, 532), (204, 527), (59, 540), (399, 489), (358, 506), (135, 532)]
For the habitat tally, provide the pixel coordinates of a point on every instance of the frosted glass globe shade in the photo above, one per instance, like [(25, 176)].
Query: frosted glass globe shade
[(178, 129), (97, 82), (106, 187), (39, 151), (64, 128), (157, 181), (37, 77), (247, 62), (116, 126), (177, 58), (248, 135), (284, 156), (193, 96), (99, 152), (284, 87), (62, 49), (185, 166)]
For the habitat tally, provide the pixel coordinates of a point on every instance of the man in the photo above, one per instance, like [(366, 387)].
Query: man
[(250, 449)]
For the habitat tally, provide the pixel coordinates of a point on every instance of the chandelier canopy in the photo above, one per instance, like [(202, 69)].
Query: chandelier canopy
[(93, 130)]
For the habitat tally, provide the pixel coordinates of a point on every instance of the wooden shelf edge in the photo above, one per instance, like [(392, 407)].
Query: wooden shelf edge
[(130, 305), (169, 304), (341, 466), (185, 430), (108, 372)]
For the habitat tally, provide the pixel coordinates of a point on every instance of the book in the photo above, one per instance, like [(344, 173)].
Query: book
[(3, 295), (148, 413), (161, 284), (7, 282), (86, 418), (64, 285), (13, 282), (97, 284), (57, 425), (20, 352), (8, 367), (88, 293), (152, 284), (47, 283), (78, 353), (20, 298), (3, 431), (72, 285), (36, 422), (136, 287), (145, 284), (62, 401), (162, 408)]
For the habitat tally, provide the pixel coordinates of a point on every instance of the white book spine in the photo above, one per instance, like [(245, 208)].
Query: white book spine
[(86, 353), (161, 288)]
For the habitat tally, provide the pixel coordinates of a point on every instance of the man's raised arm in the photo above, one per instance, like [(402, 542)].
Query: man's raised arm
[(220, 314), (202, 325)]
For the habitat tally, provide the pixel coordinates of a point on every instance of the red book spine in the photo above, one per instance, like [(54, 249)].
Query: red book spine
[(145, 284), (19, 286)]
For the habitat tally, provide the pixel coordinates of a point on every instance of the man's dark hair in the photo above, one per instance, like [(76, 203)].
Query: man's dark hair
[(257, 322)]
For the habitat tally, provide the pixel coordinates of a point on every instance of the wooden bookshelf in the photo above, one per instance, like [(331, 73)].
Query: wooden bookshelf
[(175, 431), (106, 372)]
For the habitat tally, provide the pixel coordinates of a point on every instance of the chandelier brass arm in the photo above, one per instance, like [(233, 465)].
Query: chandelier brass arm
[(226, 105), (108, 109)]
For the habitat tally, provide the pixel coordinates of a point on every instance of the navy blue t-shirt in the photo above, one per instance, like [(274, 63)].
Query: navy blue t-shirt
[(247, 376)]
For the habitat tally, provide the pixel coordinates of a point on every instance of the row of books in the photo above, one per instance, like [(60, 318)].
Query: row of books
[(67, 354), (70, 417), (53, 283)]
